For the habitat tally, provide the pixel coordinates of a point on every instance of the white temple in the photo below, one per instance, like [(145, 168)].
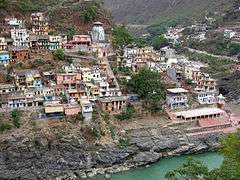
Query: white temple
[(98, 33)]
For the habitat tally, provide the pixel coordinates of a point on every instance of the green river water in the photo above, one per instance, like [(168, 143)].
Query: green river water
[(158, 170)]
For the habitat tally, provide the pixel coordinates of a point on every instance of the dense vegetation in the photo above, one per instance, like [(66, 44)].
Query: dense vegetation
[(158, 11), (59, 54), (229, 170), (3, 4), (121, 37), (147, 84)]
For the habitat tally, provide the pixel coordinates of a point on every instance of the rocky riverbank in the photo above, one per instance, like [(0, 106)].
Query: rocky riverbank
[(73, 157)]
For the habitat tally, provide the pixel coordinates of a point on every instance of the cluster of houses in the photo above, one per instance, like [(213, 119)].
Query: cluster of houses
[(194, 96), (17, 43), (68, 91)]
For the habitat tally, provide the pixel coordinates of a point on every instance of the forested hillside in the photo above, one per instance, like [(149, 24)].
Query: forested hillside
[(62, 14), (155, 11)]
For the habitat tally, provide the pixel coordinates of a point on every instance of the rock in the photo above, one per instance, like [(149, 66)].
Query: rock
[(146, 157)]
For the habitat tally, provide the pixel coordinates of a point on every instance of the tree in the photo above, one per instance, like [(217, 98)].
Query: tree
[(89, 14), (3, 4), (229, 170), (59, 53), (70, 33), (147, 84), (234, 49), (16, 118), (159, 42), (121, 37)]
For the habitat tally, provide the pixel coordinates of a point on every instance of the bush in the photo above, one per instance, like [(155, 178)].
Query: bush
[(3, 4), (5, 127), (59, 54), (39, 61), (16, 118), (234, 49), (70, 33), (123, 142), (128, 114), (81, 53), (159, 42), (89, 14)]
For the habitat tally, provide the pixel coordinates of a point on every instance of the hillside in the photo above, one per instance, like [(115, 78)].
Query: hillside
[(62, 14), (154, 11)]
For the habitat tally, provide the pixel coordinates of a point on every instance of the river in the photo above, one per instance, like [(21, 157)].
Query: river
[(158, 170)]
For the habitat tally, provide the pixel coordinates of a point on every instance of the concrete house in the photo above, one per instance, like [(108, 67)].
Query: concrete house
[(113, 104), (177, 98), (7, 88), (20, 37), (19, 100), (28, 78), (55, 42), (39, 24), (4, 57), (3, 44), (18, 54), (87, 109)]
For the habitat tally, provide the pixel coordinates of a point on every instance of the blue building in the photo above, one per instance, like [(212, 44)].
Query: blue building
[(4, 57)]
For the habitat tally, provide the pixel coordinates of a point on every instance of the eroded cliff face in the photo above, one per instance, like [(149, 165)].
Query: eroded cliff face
[(72, 157)]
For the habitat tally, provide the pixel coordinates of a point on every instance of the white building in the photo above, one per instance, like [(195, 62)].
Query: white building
[(55, 42), (177, 98), (87, 109), (3, 44), (98, 33), (20, 37), (229, 33), (14, 22)]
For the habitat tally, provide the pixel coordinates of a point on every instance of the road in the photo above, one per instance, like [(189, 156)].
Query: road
[(213, 55)]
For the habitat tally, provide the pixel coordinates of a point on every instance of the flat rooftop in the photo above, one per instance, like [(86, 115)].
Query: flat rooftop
[(177, 90), (199, 112)]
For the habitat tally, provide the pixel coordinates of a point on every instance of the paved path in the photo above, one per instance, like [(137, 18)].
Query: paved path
[(213, 55)]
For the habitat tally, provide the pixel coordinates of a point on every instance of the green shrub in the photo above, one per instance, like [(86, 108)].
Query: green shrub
[(16, 118), (3, 4), (128, 114), (89, 14), (5, 127), (59, 54), (159, 42), (123, 142)]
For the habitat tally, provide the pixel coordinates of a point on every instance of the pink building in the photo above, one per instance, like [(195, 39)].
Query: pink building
[(68, 79), (79, 42), (71, 109)]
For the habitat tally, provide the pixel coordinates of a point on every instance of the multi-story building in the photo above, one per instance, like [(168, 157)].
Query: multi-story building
[(78, 43), (7, 88), (14, 22), (19, 100), (4, 57), (18, 54), (55, 42), (3, 44), (39, 24), (137, 58), (28, 78), (113, 104), (177, 98), (87, 109), (20, 37)]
